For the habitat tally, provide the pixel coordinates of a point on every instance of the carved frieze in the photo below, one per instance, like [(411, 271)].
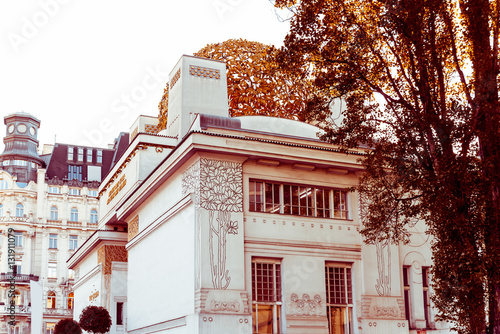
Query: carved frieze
[(231, 306), (305, 306)]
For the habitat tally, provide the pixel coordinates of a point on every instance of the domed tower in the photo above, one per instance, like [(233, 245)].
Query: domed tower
[(20, 157)]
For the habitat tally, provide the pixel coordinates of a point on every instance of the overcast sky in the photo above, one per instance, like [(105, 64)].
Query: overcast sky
[(87, 69)]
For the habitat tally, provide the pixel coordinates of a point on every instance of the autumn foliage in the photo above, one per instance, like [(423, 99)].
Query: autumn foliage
[(420, 78), (67, 326), (95, 319), (255, 83)]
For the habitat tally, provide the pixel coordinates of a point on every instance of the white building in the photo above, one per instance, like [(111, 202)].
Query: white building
[(242, 225), (48, 208)]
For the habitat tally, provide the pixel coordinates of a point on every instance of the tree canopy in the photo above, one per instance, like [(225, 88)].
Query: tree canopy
[(255, 83), (95, 319), (67, 326), (420, 79)]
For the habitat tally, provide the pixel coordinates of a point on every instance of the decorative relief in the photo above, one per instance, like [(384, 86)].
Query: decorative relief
[(384, 260), (386, 311), (55, 182), (75, 183), (232, 306), (133, 227), (204, 72), (134, 133), (218, 188), (117, 188), (305, 306), (109, 253), (176, 77), (150, 128)]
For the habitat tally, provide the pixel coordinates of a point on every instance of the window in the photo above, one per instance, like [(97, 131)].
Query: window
[(16, 270), (18, 239), (1, 210), (23, 163), (53, 241), (266, 295), (74, 215), (302, 200), (54, 190), (80, 154), (406, 287), (73, 242), (71, 297), (119, 313), (74, 172), (53, 213), (93, 216), (51, 301), (89, 155), (17, 297), (52, 270), (93, 193), (19, 210), (74, 191), (339, 303), (3, 184), (70, 153), (50, 328), (99, 156), (427, 300), (71, 274)]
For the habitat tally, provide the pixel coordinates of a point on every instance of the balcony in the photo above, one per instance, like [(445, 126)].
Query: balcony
[(58, 312), (19, 278), (20, 309)]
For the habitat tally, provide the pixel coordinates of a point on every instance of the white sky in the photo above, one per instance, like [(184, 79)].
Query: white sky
[(87, 69)]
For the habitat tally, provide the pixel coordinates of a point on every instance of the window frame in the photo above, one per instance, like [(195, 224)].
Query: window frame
[(73, 215), (51, 300), (54, 190), (343, 300), (52, 241), (18, 239), (54, 213), (80, 154), (19, 210), (70, 155), (73, 242), (272, 301), (4, 184), (298, 199), (93, 216), (89, 155)]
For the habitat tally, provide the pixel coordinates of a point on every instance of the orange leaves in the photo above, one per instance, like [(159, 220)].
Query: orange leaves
[(256, 84)]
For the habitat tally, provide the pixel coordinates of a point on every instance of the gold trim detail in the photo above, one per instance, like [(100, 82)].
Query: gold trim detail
[(117, 188), (109, 253), (176, 77), (204, 72), (133, 227)]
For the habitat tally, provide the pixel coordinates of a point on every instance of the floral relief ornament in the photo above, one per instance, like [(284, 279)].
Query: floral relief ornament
[(218, 188)]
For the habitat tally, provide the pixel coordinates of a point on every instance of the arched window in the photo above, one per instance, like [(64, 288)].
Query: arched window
[(51, 299), (74, 215), (1, 210), (3, 184), (19, 210), (54, 213), (17, 297), (93, 216), (71, 297)]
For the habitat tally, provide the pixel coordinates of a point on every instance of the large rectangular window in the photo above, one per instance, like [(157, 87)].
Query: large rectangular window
[(266, 296), (18, 239), (52, 270), (339, 304), (74, 172), (301, 200)]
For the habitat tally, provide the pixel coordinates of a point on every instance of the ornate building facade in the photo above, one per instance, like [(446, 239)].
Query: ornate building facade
[(243, 225), (48, 208)]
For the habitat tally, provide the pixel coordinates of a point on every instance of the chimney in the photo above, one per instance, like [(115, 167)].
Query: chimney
[(196, 86)]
